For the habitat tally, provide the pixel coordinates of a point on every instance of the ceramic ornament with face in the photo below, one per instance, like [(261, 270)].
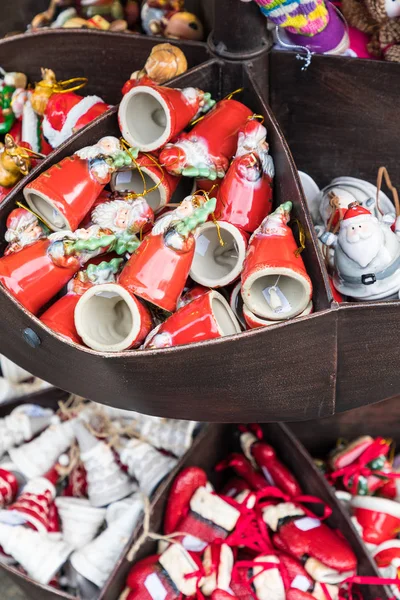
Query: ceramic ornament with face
[(123, 216), (23, 229), (367, 256), (105, 157)]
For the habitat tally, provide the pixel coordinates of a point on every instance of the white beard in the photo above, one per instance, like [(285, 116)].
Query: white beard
[(364, 250)]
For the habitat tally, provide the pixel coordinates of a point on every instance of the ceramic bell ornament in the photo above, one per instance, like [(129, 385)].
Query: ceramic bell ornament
[(376, 519), (366, 256), (21, 425), (106, 481), (158, 270), (146, 464), (8, 487), (254, 321), (173, 435), (244, 197), (96, 561), (205, 318), (275, 284), (150, 116), (40, 556), (205, 152), (80, 520), (37, 457), (23, 229)]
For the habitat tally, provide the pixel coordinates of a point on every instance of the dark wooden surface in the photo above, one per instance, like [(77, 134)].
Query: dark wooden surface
[(340, 116)]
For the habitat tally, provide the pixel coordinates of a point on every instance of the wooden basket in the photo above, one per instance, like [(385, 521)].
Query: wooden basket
[(211, 445)]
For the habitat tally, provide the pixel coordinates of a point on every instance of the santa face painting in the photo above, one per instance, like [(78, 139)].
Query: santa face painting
[(23, 230), (361, 240), (121, 215)]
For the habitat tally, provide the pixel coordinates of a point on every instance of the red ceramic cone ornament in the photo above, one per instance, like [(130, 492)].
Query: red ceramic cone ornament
[(8, 487), (219, 254), (150, 116), (158, 270), (205, 152), (379, 518), (205, 318), (64, 194), (275, 283), (109, 318), (130, 180)]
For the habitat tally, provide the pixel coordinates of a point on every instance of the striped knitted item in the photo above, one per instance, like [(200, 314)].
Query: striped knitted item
[(305, 17)]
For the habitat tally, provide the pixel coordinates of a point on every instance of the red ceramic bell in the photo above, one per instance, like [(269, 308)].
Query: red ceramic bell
[(275, 283), (64, 194), (207, 317), (150, 116), (378, 518), (205, 152), (158, 270)]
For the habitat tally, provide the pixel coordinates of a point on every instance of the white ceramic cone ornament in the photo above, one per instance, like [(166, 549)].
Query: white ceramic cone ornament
[(37, 457), (80, 520), (22, 424), (40, 556), (172, 435), (146, 464), (96, 561), (219, 254), (106, 481), (12, 372)]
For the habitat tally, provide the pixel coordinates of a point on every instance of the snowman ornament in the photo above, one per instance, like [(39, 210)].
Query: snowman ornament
[(366, 256)]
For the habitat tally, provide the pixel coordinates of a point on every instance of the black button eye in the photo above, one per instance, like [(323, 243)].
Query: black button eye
[(194, 25)]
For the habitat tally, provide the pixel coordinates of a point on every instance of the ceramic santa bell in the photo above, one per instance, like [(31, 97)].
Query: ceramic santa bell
[(150, 116), (38, 456), (158, 270), (377, 519), (96, 561), (22, 424), (106, 481), (387, 558), (80, 520), (146, 464), (275, 283), (40, 556), (205, 318), (367, 256)]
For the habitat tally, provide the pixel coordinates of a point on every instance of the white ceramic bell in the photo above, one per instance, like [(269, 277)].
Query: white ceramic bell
[(37, 457), (96, 561), (12, 372), (40, 556), (22, 424), (146, 464), (80, 520), (106, 481), (172, 435)]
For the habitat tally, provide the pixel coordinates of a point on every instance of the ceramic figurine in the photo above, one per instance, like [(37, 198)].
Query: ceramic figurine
[(33, 505), (244, 197), (172, 435), (219, 254), (146, 464), (109, 318), (15, 163), (329, 557), (96, 561), (367, 256), (160, 185), (254, 321), (66, 192), (35, 458), (150, 116), (184, 26), (376, 519), (21, 425), (154, 14), (23, 229), (206, 151), (165, 62), (8, 487), (40, 556), (80, 520), (381, 21), (387, 559), (60, 316), (171, 243), (106, 481), (38, 272), (275, 284)]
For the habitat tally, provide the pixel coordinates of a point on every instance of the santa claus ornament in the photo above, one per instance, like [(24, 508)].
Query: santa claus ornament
[(367, 256), (23, 229)]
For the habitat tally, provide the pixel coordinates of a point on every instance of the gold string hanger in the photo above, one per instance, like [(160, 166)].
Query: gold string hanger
[(20, 205), (255, 117), (383, 173), (206, 194), (133, 195), (302, 238), (61, 87)]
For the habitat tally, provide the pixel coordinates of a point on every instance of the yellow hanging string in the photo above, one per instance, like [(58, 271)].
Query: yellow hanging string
[(302, 238), (134, 195), (61, 87), (20, 205), (238, 91), (25, 153), (256, 118), (206, 194)]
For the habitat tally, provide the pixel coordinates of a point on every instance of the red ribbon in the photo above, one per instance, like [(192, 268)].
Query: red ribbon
[(274, 492), (364, 580)]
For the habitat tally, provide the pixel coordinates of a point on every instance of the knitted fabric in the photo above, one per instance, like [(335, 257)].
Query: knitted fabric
[(305, 17)]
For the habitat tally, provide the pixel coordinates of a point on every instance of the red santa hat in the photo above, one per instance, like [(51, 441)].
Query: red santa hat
[(66, 113), (357, 214)]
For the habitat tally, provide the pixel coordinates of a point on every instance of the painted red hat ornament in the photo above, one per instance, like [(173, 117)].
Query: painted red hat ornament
[(275, 283), (244, 197), (206, 151)]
